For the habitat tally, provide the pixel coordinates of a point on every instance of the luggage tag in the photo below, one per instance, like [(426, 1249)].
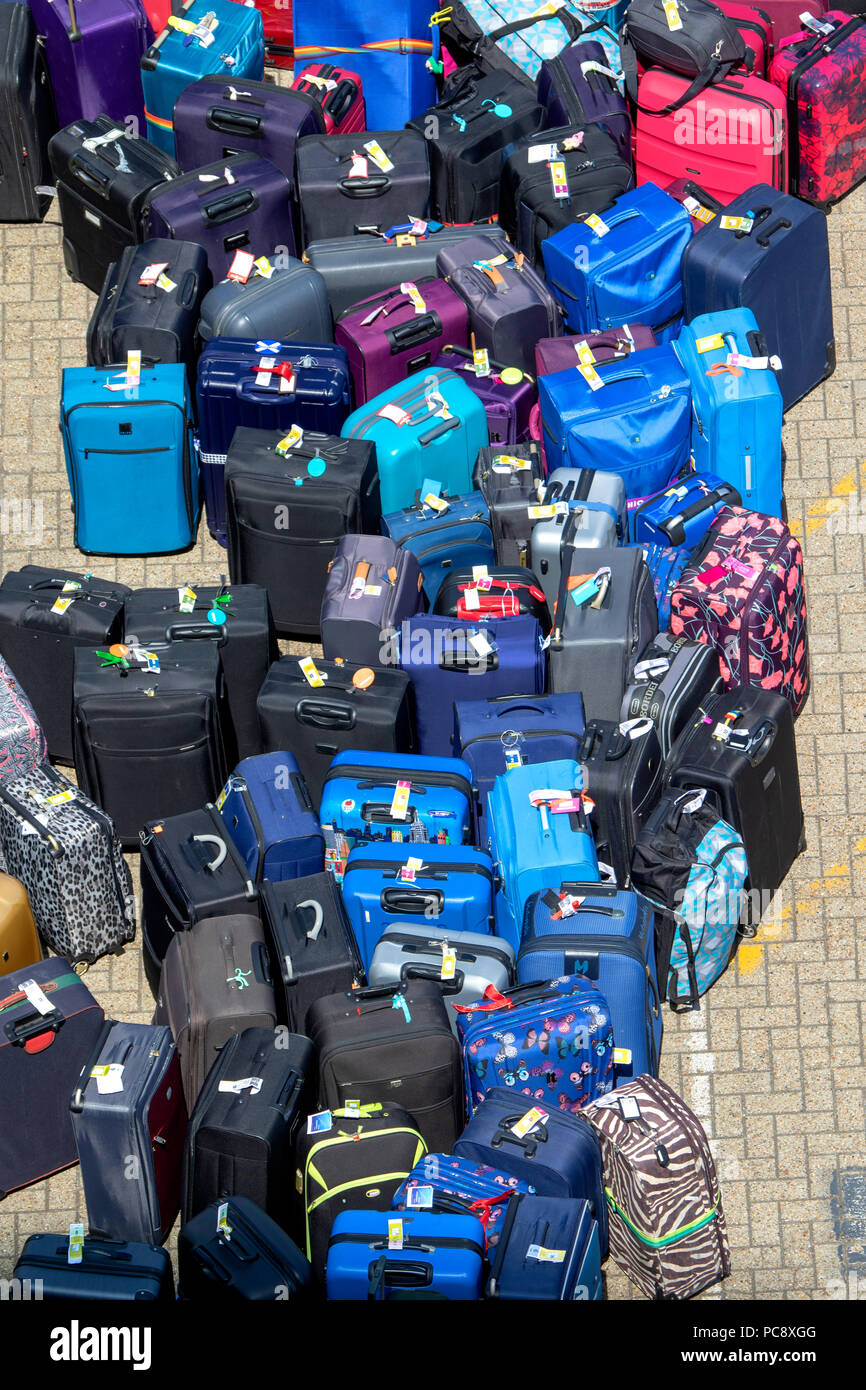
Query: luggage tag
[(289, 441), (320, 1123), (288, 378), (596, 224), (541, 154), (544, 511), (411, 289), (399, 1002), (35, 996), (359, 167), (493, 274), (395, 1233), (186, 599), (108, 1078), (165, 284), (97, 141), (395, 414), (586, 588), (61, 603), (736, 224), (264, 267), (419, 1198), (436, 504), (151, 273), (527, 1123), (481, 361), (359, 580), (636, 728), (817, 26), (621, 1056), (713, 342), (545, 1256), (711, 575), (507, 463), (696, 209), (224, 1230), (437, 405), (253, 1084), (449, 962), (755, 364), (559, 180), (653, 668), (479, 572), (75, 1252), (311, 672), (672, 15), (241, 267), (481, 644), (400, 805), (471, 598), (378, 156)]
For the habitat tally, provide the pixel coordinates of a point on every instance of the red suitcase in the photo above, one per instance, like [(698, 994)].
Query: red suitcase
[(279, 38), (340, 95), (785, 16), (756, 28)]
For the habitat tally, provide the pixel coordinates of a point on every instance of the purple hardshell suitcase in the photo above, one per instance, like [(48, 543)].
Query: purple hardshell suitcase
[(578, 87), (558, 354), (93, 50), (373, 585), (507, 393), (214, 118), (390, 337)]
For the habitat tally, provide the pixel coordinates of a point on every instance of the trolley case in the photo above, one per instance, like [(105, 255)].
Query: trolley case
[(348, 711), (389, 336), (679, 516), (562, 1224), (583, 507), (344, 187), (268, 813), (511, 481), (143, 1119), (460, 1185), (338, 93), (110, 1270), (622, 772), (247, 1117), (439, 1256), (558, 354), (247, 1259), (669, 682), (358, 799), (510, 306), (312, 944), (93, 53), (372, 587), (756, 31), (578, 88), (24, 746), (443, 537), (289, 304), (507, 393), (408, 951), (19, 939), (51, 1023), (215, 119), (517, 38), (31, 116)]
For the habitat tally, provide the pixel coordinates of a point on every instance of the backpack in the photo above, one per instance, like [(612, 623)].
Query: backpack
[(705, 45)]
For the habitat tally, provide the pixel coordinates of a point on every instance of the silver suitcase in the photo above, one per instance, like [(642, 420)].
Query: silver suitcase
[(593, 503), (291, 303), (407, 949)]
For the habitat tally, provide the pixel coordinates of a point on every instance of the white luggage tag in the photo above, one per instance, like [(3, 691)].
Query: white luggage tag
[(108, 1078), (253, 1084), (151, 273), (755, 364)]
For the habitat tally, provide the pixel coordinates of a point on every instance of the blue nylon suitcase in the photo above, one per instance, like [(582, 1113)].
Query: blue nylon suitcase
[(429, 428), (629, 273), (451, 888), (524, 1268), (446, 1183), (268, 813), (109, 1270), (438, 1256), (680, 515), (131, 466), (736, 419), (176, 58), (455, 536), (665, 564), (610, 939), (446, 657)]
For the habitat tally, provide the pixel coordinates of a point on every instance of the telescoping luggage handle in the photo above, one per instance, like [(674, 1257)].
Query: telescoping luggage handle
[(26, 815)]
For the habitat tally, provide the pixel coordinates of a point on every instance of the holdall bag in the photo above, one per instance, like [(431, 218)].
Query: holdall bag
[(504, 591), (667, 1224), (679, 516), (701, 44), (390, 336), (232, 1251), (443, 533), (51, 1023), (93, 55), (532, 1226), (604, 272), (742, 594), (312, 944), (353, 706), (623, 771), (665, 566), (669, 682), (516, 37), (109, 1269), (19, 940), (511, 482), (24, 747), (582, 506), (691, 865), (465, 963), (507, 393), (578, 88), (339, 95), (267, 810), (372, 587), (557, 354), (361, 182), (291, 303), (459, 1184), (65, 852), (214, 119), (32, 117), (441, 1255), (144, 1119), (509, 304)]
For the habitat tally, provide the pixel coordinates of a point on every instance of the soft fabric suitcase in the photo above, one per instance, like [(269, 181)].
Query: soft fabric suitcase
[(372, 587), (93, 51), (679, 516), (669, 682), (312, 944), (506, 392), (442, 654), (557, 354), (510, 306), (585, 507), (533, 1227), (667, 1225), (19, 939), (347, 184), (51, 1023), (225, 39), (665, 566), (24, 746), (701, 44), (511, 481), (130, 1136), (213, 119), (443, 533), (393, 1042), (623, 768), (579, 88), (517, 36), (408, 951), (445, 1183), (291, 303), (353, 707), (109, 1271), (440, 1256), (786, 244), (268, 813), (247, 1117), (338, 93), (390, 336), (504, 591), (31, 115), (233, 1252)]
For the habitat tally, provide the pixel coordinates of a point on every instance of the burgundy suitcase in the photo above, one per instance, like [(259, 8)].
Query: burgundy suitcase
[(784, 15), (393, 335), (558, 354), (507, 393), (214, 118), (93, 51), (756, 28), (339, 93)]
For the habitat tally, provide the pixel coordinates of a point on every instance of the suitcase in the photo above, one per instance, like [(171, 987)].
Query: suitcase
[(756, 31), (338, 93), (346, 185), (313, 947), (784, 16), (19, 940), (667, 1225), (247, 1117), (742, 594), (669, 683), (531, 842), (452, 533), (215, 982), (510, 306), (582, 506), (579, 88), (433, 1256), (214, 120), (291, 303), (129, 1120), (507, 393), (109, 1270), (103, 177), (233, 1252), (628, 271), (177, 57), (93, 54), (347, 711), (24, 746), (623, 768), (511, 483), (499, 591), (425, 431), (393, 335), (480, 962), (442, 654), (372, 587), (665, 566), (445, 1183), (391, 1041), (31, 115), (140, 759), (65, 852), (279, 39), (725, 270), (51, 1023), (126, 500), (517, 37), (558, 354), (267, 811), (282, 528), (680, 515), (524, 1267), (450, 887)]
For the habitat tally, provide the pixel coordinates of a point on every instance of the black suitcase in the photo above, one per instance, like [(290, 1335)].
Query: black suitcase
[(30, 119), (158, 317), (242, 1132), (109, 1270), (511, 480), (140, 755), (102, 186), (670, 680), (245, 637), (285, 513), (754, 773), (513, 590), (334, 202), (478, 116), (349, 710), (190, 869), (40, 644), (395, 1042), (623, 776), (313, 947), (253, 1260)]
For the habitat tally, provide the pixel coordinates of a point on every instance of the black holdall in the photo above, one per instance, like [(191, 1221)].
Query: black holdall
[(699, 42)]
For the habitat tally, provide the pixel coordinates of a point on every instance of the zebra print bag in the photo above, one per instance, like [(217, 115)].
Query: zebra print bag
[(667, 1226)]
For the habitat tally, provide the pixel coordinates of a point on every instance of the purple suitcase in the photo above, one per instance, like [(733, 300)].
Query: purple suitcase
[(558, 354), (388, 337), (93, 51), (373, 586), (238, 204), (507, 403), (578, 87)]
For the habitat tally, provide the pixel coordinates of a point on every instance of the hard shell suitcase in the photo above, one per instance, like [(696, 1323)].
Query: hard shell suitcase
[(292, 303), (372, 587), (409, 951), (756, 30), (312, 944), (532, 1224), (279, 40), (443, 533), (93, 52), (441, 1255), (506, 392), (391, 336), (19, 939), (24, 746), (679, 516), (214, 119), (510, 306), (557, 354), (338, 93), (130, 1135), (578, 88), (585, 507), (669, 682), (461, 1185), (110, 1270), (233, 1252), (346, 184), (505, 591), (517, 37), (623, 768), (31, 118), (511, 482), (784, 16), (267, 811)]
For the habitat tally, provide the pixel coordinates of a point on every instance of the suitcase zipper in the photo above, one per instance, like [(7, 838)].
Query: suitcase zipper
[(387, 777), (429, 1246), (759, 101), (404, 939), (439, 870), (158, 449)]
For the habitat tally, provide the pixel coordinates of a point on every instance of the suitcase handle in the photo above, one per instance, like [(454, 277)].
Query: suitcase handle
[(415, 331), (324, 716), (301, 791), (432, 972), (412, 902), (191, 631), (384, 1273), (231, 122), (91, 178), (261, 963), (781, 224), (250, 890), (674, 527), (220, 848), (465, 665), (468, 354), (224, 209), (35, 1029), (374, 991), (371, 187), (761, 215), (188, 290), (505, 1135), (337, 103), (20, 809), (437, 432)]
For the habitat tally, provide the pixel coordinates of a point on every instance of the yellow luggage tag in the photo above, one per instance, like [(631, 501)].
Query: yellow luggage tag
[(378, 156), (407, 287), (736, 224), (311, 672), (712, 343), (400, 801), (410, 869), (186, 599), (527, 1122), (672, 15), (597, 224)]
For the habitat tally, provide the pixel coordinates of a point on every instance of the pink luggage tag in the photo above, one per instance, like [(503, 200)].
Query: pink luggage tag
[(712, 575)]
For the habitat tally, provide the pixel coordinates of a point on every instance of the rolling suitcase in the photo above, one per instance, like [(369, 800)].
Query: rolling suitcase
[(532, 1228), (579, 88), (583, 507), (267, 811), (458, 1184), (670, 680), (443, 533), (346, 184), (339, 95), (372, 587), (510, 306), (623, 768), (19, 940), (665, 566), (507, 393), (511, 482), (24, 746), (312, 944), (289, 498), (784, 16), (213, 120), (291, 303), (467, 964), (110, 1270), (279, 41), (756, 31), (390, 336), (93, 52), (498, 591), (233, 1252), (31, 115), (129, 1119), (438, 1256), (679, 516), (558, 354)]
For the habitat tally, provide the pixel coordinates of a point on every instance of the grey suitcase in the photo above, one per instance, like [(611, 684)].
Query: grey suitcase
[(409, 951), (372, 586), (511, 480), (590, 513), (510, 306), (671, 679), (291, 303)]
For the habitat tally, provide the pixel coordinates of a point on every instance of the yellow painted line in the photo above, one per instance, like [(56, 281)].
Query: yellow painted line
[(819, 512)]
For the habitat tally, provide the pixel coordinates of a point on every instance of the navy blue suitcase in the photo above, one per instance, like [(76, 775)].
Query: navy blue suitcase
[(454, 536), (268, 812), (524, 1267), (110, 1270)]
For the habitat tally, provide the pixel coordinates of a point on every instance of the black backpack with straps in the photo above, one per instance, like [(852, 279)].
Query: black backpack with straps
[(703, 44)]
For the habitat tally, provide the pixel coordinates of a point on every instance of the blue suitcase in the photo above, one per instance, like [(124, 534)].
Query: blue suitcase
[(109, 1270), (609, 937), (455, 536), (548, 1251), (268, 813), (447, 658), (629, 273), (534, 847), (426, 430), (736, 419), (446, 1183), (236, 50), (131, 466), (681, 514), (448, 887), (665, 565), (373, 1254), (637, 424), (510, 731)]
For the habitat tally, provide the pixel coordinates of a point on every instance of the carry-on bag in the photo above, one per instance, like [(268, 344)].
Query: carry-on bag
[(24, 746), (584, 507), (461, 1185), (511, 481), (579, 88), (701, 44), (361, 182), (214, 119), (338, 93), (373, 586), (679, 516), (623, 770), (510, 306), (434, 1256), (93, 54), (558, 354), (19, 939), (465, 963), (109, 1270), (233, 1252), (756, 31), (669, 682), (312, 944), (444, 534), (503, 591), (391, 336), (532, 1227), (507, 393), (31, 115), (267, 811), (289, 303)]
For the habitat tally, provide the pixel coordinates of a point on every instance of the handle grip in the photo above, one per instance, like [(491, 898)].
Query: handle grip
[(194, 631), (372, 187), (224, 209), (220, 848), (232, 122), (432, 972), (437, 432)]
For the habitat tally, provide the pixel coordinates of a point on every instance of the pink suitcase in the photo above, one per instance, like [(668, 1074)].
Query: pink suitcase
[(756, 28), (785, 15), (339, 93)]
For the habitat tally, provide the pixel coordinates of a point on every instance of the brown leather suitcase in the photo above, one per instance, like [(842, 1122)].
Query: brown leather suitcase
[(19, 939)]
